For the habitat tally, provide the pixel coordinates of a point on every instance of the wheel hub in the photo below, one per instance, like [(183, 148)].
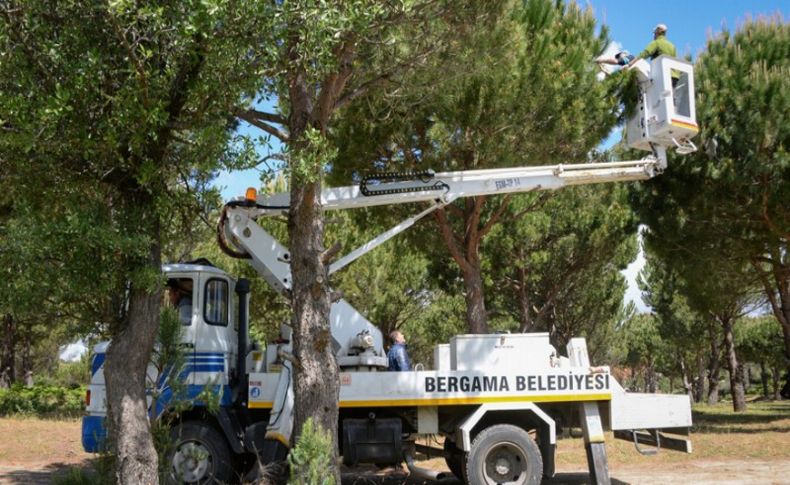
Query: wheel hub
[(502, 466), (505, 463), (191, 462)]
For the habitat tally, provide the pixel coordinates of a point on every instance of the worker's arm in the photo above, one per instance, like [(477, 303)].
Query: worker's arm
[(607, 61), (649, 51)]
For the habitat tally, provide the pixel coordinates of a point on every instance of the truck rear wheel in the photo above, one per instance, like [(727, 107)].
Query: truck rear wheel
[(501, 454), (200, 455)]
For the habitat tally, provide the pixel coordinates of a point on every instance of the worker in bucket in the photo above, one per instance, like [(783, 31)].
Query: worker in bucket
[(658, 47), (397, 356)]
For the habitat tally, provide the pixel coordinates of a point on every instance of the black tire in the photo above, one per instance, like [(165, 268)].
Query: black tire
[(502, 454), (200, 455), (454, 458)]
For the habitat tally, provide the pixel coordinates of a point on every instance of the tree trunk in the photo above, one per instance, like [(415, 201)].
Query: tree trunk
[(125, 373), (27, 362), (736, 381), (714, 367), (688, 385), (699, 380), (316, 379), (26, 374), (465, 251), (476, 315), (785, 321), (777, 283), (764, 378), (8, 352), (316, 376), (527, 323), (650, 379), (775, 378)]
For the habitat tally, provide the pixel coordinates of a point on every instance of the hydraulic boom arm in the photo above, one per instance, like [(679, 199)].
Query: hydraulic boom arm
[(439, 189), (400, 188)]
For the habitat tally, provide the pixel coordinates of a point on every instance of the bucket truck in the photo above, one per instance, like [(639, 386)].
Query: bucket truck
[(499, 401)]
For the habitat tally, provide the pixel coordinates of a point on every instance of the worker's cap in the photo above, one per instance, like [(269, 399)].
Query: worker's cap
[(621, 54), (660, 28)]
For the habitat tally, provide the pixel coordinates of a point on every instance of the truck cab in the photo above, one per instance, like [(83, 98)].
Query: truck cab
[(210, 333), (208, 306)]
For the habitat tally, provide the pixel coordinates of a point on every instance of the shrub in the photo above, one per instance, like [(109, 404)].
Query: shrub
[(311, 457), (42, 401)]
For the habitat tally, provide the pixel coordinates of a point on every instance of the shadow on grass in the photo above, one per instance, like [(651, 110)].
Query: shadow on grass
[(57, 473), (720, 419), (576, 479), (401, 477)]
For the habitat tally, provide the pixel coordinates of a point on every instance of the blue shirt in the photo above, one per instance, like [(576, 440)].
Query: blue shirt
[(623, 60), (398, 358), (184, 309)]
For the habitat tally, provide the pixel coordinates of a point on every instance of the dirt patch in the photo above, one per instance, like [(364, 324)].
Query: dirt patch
[(33, 451), (748, 448)]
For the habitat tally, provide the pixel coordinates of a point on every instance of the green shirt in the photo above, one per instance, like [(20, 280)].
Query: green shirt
[(658, 47)]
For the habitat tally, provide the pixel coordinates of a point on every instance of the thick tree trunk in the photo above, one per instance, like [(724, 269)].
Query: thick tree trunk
[(777, 289), (465, 251), (714, 367), (316, 380), (736, 381), (476, 315), (8, 352), (124, 372), (316, 375)]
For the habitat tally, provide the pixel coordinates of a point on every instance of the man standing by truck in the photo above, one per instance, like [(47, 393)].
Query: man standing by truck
[(397, 356)]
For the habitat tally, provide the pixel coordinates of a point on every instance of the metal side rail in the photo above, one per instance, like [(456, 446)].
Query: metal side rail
[(655, 438)]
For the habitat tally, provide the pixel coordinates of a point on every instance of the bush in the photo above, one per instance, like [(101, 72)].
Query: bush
[(311, 457), (42, 401), (70, 375)]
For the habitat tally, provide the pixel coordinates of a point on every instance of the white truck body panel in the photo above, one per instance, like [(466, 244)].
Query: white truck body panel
[(446, 388), (504, 352), (635, 410)]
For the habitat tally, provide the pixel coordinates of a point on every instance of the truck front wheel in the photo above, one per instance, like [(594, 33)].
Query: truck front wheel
[(501, 454), (199, 455)]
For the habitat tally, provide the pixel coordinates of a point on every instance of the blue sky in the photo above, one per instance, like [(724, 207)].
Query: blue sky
[(631, 23), (690, 23)]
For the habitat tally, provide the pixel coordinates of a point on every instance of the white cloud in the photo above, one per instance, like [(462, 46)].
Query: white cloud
[(633, 293), (73, 351)]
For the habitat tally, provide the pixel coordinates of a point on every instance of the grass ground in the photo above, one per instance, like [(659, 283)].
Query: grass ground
[(749, 447), (763, 432)]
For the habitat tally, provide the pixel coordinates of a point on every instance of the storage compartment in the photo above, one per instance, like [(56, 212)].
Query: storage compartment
[(516, 352), (372, 441)]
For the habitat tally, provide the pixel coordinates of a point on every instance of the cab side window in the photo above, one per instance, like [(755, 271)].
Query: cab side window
[(215, 309), (179, 296)]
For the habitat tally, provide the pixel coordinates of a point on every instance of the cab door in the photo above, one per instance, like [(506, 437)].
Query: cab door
[(216, 336), (181, 294)]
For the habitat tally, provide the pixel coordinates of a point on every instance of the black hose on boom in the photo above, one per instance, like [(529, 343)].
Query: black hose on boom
[(423, 176)]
